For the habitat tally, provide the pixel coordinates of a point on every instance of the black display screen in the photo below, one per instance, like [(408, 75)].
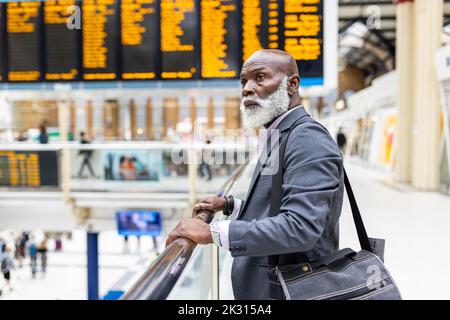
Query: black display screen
[(260, 26), (154, 39), (23, 28), (2, 43), (29, 168), (220, 50), (303, 35), (140, 39), (62, 45), (179, 31), (100, 29)]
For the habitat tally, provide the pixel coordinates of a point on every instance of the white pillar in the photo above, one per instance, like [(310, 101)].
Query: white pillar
[(405, 87), (425, 141)]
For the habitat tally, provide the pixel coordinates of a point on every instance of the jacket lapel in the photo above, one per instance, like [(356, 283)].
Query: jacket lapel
[(270, 147)]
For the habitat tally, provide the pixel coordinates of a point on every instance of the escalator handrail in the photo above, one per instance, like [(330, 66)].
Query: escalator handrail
[(158, 280)]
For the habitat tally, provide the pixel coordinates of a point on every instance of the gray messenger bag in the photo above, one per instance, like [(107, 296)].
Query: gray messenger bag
[(344, 275)]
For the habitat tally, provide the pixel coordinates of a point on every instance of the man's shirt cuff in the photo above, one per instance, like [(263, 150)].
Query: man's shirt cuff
[(223, 226), (236, 209)]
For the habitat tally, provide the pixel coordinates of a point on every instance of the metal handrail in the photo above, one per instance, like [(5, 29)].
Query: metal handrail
[(159, 279)]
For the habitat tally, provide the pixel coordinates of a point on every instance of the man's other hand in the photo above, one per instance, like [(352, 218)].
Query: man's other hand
[(195, 229), (212, 204)]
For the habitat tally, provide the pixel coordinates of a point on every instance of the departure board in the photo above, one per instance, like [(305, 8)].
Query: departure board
[(179, 30), (219, 39), (61, 43), (140, 39), (100, 31), (29, 168), (23, 37), (303, 35), (2, 43), (260, 26), (121, 40)]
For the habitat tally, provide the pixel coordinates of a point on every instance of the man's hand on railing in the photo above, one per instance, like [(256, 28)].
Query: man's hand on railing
[(210, 204), (194, 229)]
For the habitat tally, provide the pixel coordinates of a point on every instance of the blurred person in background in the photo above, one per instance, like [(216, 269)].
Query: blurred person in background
[(43, 136), (58, 244), (22, 136), (20, 250), (125, 244), (341, 140), (205, 167), (7, 264), (42, 250), (32, 252), (86, 157), (2, 245)]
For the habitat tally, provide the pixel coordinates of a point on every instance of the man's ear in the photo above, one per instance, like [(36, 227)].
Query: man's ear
[(293, 84)]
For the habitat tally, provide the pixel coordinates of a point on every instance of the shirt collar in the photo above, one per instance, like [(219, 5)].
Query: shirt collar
[(265, 134)]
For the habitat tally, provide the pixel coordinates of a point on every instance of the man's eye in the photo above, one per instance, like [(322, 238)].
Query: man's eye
[(243, 82), (260, 77)]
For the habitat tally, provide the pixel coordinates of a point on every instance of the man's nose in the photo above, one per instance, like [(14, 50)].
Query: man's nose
[(248, 89)]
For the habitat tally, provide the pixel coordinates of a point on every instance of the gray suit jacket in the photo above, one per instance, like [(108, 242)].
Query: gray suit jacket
[(307, 226)]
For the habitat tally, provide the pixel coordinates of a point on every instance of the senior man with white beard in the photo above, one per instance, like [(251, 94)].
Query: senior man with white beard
[(305, 227)]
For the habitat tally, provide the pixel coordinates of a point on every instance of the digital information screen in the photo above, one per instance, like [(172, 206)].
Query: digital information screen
[(23, 38), (100, 39), (260, 21), (303, 35), (61, 43), (219, 35), (2, 43), (163, 39), (29, 168), (140, 39), (179, 29)]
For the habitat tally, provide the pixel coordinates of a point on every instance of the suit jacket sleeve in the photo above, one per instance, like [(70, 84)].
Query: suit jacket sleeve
[(313, 167)]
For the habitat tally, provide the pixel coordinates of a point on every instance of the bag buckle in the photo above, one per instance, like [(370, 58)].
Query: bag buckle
[(305, 268)]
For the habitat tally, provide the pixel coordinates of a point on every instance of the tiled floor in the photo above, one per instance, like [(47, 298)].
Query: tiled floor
[(66, 276), (416, 226)]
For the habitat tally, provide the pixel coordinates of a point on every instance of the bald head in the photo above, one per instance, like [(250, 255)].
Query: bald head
[(264, 71), (279, 59)]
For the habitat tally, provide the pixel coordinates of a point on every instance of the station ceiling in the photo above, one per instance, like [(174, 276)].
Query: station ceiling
[(367, 35), (351, 11)]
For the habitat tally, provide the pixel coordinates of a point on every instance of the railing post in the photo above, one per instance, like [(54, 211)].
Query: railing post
[(63, 118), (92, 265), (214, 272), (192, 174)]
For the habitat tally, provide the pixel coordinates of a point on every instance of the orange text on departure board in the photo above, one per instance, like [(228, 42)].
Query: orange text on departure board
[(302, 29), (19, 169), (55, 12), (133, 13), (20, 15), (172, 15), (95, 52), (214, 48), (252, 23)]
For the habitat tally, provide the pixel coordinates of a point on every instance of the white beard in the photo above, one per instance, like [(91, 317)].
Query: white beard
[(269, 108)]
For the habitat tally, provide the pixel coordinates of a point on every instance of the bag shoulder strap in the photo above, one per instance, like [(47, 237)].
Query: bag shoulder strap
[(277, 193)]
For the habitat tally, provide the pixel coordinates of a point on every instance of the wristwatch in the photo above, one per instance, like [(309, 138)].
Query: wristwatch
[(215, 234), (229, 205)]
